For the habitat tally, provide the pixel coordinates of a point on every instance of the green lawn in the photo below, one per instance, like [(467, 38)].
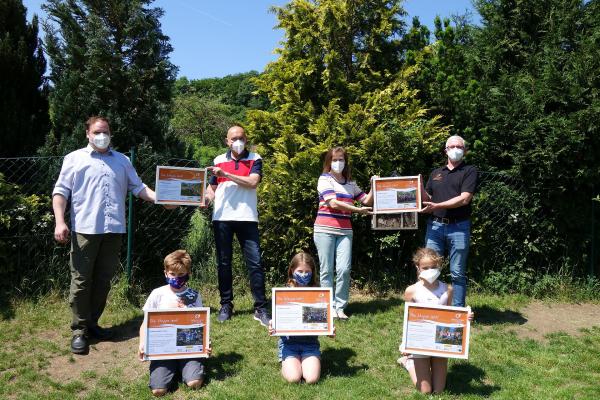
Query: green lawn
[(360, 363)]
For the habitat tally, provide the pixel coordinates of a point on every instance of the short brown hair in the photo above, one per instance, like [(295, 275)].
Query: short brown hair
[(178, 261), (92, 120), (424, 252), (302, 258), (329, 156)]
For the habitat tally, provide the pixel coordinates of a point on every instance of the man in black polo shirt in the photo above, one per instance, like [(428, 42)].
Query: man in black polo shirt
[(447, 196)]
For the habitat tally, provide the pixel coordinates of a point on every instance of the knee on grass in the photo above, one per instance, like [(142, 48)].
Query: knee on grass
[(195, 384), (311, 379), (292, 378), (159, 392)]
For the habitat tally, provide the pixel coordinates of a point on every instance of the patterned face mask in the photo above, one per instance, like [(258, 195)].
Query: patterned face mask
[(178, 282), (302, 278)]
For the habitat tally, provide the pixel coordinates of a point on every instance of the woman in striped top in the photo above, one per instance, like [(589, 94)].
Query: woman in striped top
[(333, 228)]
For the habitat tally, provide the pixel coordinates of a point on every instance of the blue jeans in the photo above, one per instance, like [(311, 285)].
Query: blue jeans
[(247, 235), (335, 250), (454, 237)]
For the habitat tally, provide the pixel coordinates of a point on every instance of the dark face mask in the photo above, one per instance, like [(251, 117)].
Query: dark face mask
[(178, 282)]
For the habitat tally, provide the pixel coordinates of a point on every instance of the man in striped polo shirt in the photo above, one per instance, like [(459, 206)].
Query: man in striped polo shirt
[(232, 189)]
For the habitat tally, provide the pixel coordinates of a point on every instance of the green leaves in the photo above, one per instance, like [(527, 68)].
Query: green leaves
[(339, 81), (109, 58)]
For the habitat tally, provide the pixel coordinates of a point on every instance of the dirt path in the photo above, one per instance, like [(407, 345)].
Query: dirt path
[(544, 318), (104, 357)]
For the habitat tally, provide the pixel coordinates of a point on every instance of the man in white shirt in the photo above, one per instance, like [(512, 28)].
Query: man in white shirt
[(96, 180), (232, 189)]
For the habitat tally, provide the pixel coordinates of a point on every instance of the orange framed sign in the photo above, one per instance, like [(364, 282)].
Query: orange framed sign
[(177, 333), (302, 311), (397, 194), (432, 330), (180, 185)]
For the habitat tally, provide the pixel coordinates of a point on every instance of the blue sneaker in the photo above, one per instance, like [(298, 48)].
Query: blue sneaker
[(262, 316), (225, 313)]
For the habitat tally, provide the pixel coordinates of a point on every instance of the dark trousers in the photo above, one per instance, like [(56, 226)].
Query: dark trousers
[(247, 235), (94, 262)]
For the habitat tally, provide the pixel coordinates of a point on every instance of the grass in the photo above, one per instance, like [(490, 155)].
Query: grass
[(358, 364)]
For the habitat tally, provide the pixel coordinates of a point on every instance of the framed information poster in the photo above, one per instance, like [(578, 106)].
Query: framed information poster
[(180, 185), (302, 311), (432, 330), (397, 195), (177, 333), (395, 222)]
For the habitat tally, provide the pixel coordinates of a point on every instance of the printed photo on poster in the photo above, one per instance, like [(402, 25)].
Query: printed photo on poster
[(433, 330), (177, 333), (397, 194), (391, 222), (302, 311), (180, 185)]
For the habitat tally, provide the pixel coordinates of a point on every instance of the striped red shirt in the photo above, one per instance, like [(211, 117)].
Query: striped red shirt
[(330, 220)]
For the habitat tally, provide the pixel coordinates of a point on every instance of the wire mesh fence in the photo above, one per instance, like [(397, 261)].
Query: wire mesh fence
[(32, 261)]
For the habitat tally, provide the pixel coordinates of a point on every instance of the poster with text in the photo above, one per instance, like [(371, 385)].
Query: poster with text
[(432, 330), (302, 311), (397, 195), (180, 185), (177, 333)]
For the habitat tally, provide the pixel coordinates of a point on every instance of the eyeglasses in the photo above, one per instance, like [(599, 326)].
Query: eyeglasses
[(455, 147)]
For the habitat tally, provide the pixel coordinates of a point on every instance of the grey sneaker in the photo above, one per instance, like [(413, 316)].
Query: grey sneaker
[(225, 313), (262, 316)]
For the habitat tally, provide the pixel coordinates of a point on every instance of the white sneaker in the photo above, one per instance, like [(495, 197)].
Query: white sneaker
[(334, 313), (341, 314)]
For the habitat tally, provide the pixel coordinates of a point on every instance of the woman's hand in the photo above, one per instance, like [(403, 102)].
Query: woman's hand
[(365, 210), (471, 316), (141, 353)]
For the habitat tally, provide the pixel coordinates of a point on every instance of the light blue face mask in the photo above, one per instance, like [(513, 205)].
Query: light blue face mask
[(303, 278)]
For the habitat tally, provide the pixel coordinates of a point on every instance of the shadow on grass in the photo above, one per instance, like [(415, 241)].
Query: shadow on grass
[(335, 362), (124, 331), (6, 308), (222, 366), (374, 306), (466, 378), (486, 315)]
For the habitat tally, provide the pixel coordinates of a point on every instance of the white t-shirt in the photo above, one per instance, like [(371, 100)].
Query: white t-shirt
[(163, 298)]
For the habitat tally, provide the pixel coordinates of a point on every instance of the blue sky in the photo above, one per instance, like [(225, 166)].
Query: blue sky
[(214, 38)]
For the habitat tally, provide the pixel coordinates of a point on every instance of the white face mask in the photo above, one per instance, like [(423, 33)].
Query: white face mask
[(238, 146), (430, 275), (338, 166), (456, 154), (101, 140)]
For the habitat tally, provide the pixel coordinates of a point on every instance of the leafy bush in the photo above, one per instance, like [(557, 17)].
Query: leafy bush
[(26, 227)]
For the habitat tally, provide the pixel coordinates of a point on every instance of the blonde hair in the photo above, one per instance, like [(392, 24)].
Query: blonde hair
[(424, 252), (302, 258), (178, 261)]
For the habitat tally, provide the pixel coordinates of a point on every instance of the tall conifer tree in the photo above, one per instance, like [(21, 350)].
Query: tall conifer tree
[(109, 57), (23, 95)]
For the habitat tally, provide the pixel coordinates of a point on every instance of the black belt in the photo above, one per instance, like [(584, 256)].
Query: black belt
[(449, 220)]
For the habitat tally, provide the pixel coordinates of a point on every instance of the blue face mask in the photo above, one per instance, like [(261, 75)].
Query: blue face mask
[(178, 282), (303, 278)]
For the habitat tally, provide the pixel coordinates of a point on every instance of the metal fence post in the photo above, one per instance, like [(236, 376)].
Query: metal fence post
[(592, 268), (130, 225)]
